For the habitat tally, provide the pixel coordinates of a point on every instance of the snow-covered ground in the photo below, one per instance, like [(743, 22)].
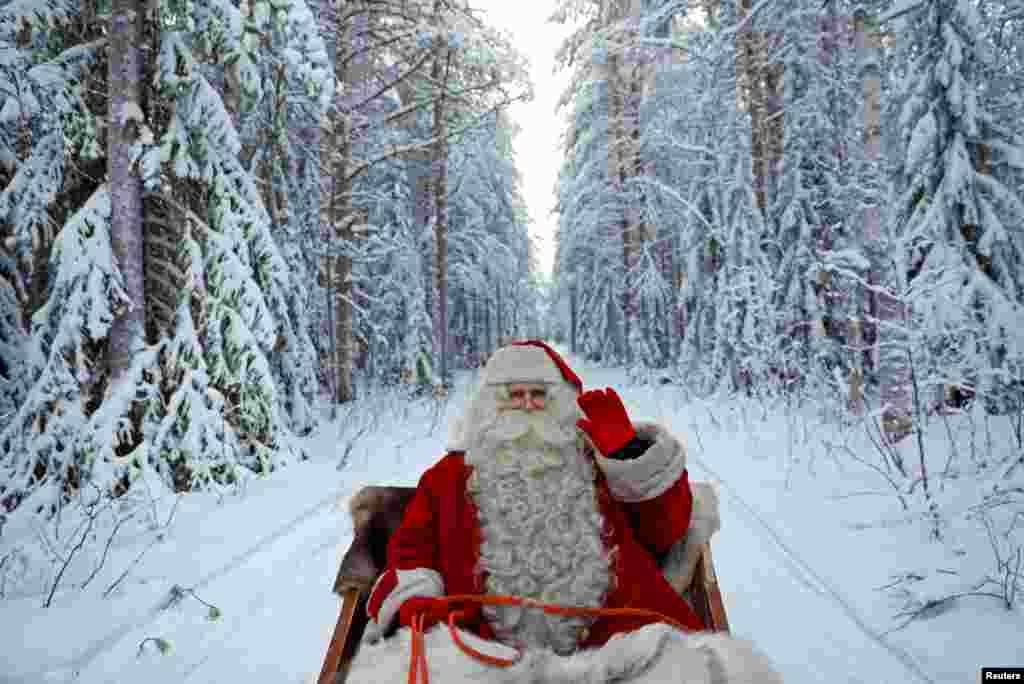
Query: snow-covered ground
[(798, 559)]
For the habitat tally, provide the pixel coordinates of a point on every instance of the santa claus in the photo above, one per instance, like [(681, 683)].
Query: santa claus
[(555, 496)]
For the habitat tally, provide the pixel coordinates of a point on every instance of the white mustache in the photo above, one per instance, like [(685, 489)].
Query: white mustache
[(517, 424)]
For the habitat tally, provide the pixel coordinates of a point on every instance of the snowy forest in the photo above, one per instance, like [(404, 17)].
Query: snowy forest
[(216, 213), (225, 222)]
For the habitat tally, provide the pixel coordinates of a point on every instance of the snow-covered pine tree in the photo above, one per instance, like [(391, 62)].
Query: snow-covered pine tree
[(1001, 72), (13, 341), (661, 271), (488, 220), (956, 252), (587, 226), (49, 133), (194, 434), (46, 459), (731, 284), (243, 269), (728, 285), (212, 401), (397, 48), (647, 272), (387, 290), (813, 210), (279, 133), (957, 232)]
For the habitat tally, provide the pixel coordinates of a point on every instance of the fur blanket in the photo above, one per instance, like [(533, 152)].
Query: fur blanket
[(654, 654), (680, 564)]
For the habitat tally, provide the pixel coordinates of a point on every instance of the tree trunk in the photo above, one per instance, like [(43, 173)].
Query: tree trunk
[(679, 307), (344, 386), (488, 338), (476, 334), (328, 356), (439, 176), (751, 55), (572, 319), (275, 109), (619, 134), (637, 76), (330, 141), (338, 191), (499, 328), (126, 121), (667, 311), (891, 366), (774, 131), (619, 163), (872, 215), (275, 157)]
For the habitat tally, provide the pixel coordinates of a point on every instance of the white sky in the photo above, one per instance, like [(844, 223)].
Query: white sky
[(537, 151)]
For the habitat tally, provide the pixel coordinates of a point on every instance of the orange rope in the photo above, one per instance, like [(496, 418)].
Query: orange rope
[(419, 654), (466, 648)]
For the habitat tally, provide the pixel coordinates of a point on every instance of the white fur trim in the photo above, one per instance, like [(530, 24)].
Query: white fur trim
[(653, 654), (732, 660), (415, 582), (387, 661), (520, 364), (456, 434), (681, 562), (651, 474)]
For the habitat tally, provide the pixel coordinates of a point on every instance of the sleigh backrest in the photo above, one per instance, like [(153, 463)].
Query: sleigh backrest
[(377, 512)]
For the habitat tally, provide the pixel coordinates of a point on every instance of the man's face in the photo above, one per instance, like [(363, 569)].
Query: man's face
[(524, 396)]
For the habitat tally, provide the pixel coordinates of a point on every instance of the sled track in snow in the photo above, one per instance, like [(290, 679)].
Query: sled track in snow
[(103, 645), (806, 575), (231, 628)]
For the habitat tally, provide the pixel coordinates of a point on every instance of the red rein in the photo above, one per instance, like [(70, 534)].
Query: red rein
[(418, 661)]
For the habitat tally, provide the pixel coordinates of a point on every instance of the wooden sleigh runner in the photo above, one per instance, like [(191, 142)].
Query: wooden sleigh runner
[(373, 525)]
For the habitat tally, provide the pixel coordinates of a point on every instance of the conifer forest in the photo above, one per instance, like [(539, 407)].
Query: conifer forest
[(226, 223)]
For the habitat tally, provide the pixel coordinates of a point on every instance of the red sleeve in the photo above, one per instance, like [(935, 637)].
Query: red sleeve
[(412, 568), (414, 543), (660, 522)]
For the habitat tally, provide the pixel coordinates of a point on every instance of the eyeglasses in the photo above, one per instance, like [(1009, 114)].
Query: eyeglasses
[(524, 396), (533, 394)]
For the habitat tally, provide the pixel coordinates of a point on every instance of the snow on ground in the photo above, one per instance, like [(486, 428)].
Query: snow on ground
[(797, 578)]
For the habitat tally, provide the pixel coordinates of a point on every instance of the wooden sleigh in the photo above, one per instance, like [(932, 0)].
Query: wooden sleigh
[(366, 558)]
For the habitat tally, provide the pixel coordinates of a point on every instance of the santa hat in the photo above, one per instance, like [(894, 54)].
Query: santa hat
[(525, 361), (528, 361)]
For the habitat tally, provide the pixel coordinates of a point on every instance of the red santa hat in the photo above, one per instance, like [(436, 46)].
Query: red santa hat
[(528, 361)]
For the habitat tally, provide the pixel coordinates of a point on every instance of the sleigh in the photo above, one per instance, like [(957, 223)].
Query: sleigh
[(365, 560)]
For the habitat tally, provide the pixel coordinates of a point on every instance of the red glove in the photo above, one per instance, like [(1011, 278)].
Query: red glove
[(609, 427), (435, 610)]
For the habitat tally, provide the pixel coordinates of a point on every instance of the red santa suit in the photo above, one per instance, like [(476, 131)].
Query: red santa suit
[(560, 523), (646, 503)]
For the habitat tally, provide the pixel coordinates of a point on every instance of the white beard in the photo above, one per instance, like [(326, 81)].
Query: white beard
[(541, 528)]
